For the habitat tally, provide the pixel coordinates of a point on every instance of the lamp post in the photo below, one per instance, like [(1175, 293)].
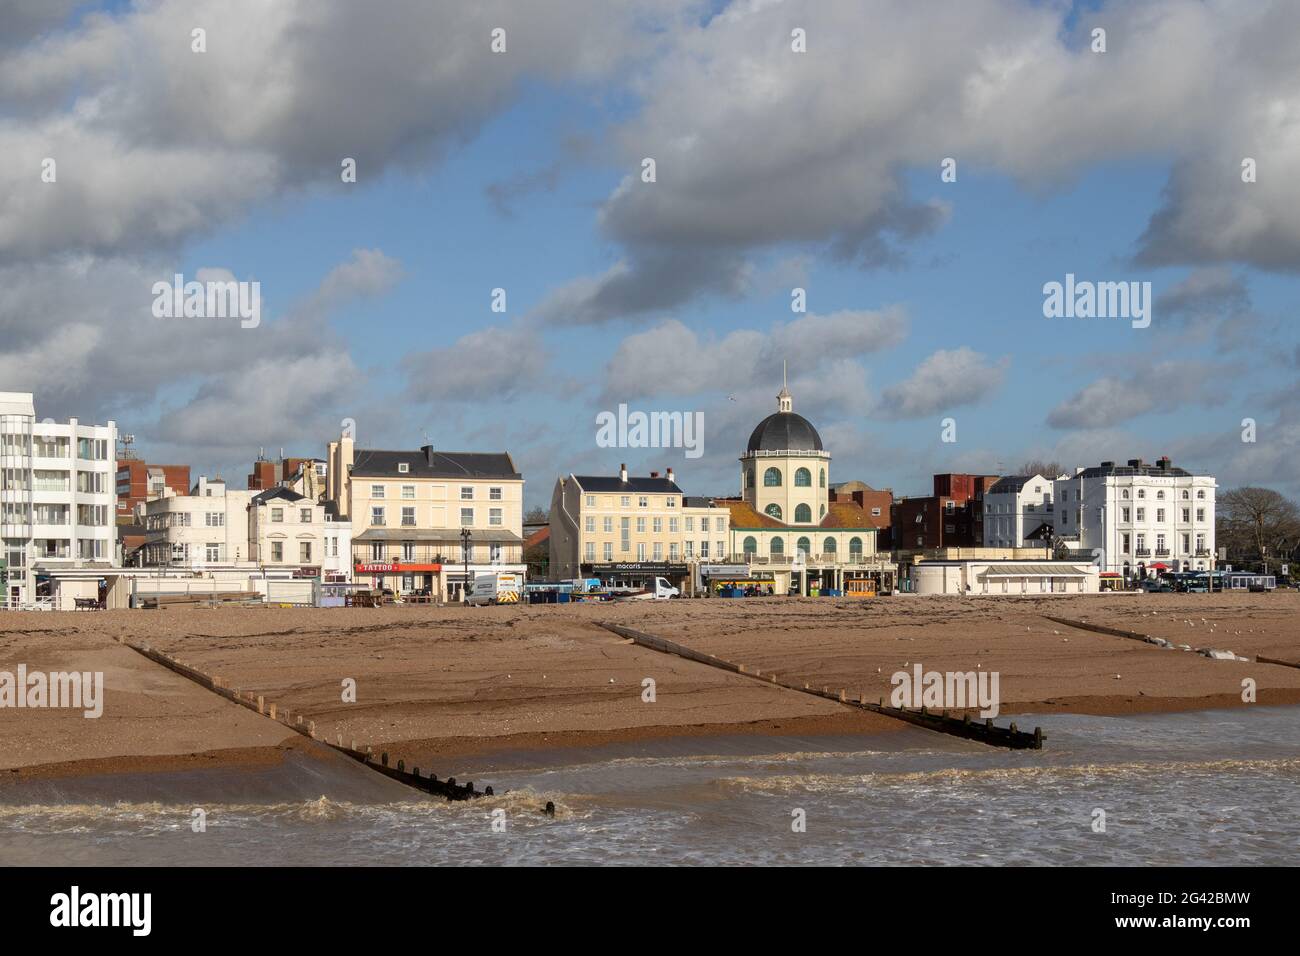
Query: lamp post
[(465, 535)]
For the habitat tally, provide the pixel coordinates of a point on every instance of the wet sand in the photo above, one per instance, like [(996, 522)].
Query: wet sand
[(443, 687)]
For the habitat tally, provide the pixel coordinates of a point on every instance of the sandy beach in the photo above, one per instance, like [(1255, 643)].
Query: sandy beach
[(437, 686)]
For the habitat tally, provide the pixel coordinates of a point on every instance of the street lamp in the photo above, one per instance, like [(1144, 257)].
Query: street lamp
[(465, 535)]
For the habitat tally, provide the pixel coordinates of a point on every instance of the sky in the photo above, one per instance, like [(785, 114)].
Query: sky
[(796, 146)]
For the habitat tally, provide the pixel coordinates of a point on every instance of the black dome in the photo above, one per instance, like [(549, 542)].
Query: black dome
[(785, 431)]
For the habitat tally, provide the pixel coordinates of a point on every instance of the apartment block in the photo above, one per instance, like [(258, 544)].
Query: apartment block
[(57, 495), (1018, 512), (208, 526), (139, 481)]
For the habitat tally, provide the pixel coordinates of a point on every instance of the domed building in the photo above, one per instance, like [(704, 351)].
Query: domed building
[(784, 525)]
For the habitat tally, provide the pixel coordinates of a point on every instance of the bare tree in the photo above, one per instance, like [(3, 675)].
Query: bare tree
[(1048, 469), (1257, 522)]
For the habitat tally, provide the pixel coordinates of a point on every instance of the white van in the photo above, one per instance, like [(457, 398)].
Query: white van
[(497, 588), (657, 590)]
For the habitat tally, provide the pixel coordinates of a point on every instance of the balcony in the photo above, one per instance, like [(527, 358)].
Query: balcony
[(1143, 552), (1162, 552), (1202, 552)]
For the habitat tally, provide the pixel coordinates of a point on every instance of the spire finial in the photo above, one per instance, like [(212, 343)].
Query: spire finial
[(784, 402)]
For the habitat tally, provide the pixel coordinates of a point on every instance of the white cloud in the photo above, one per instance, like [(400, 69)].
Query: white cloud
[(945, 380)]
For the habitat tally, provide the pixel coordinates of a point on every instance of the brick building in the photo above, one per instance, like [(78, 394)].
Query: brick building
[(138, 481), (951, 517)]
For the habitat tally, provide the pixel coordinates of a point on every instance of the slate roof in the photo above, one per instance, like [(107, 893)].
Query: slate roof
[(784, 431), (428, 463), (603, 484)]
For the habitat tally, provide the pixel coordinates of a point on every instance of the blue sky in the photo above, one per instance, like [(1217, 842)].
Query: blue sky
[(772, 173)]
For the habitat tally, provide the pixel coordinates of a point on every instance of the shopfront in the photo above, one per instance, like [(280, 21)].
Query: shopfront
[(638, 574), (401, 577)]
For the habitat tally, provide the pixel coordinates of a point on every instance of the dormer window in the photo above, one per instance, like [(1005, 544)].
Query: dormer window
[(403, 467)]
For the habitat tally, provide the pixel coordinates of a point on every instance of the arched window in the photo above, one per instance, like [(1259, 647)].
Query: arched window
[(1186, 496), (823, 512), (751, 545), (804, 545), (828, 546), (802, 513), (777, 546), (1160, 496), (772, 478), (1124, 494), (774, 510), (855, 547), (822, 479), (802, 478)]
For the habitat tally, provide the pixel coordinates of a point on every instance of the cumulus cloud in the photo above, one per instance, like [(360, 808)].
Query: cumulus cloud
[(498, 362), (672, 358), (1164, 386), (945, 380)]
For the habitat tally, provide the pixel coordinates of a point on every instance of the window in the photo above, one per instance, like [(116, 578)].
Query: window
[(658, 553), (625, 534), (640, 525), (804, 545), (403, 467), (609, 550), (304, 515), (377, 551), (304, 551), (774, 510), (657, 525), (855, 547), (1160, 495), (376, 491), (408, 492), (875, 512), (408, 517), (1185, 495), (672, 551), (625, 501), (1142, 514), (750, 546), (591, 550), (466, 492), (1160, 515), (1200, 514), (640, 550), (802, 478), (704, 549), (1200, 495), (377, 515), (670, 501), (1187, 543), (494, 553), (466, 517), (495, 517), (1126, 515), (821, 478), (494, 494), (591, 501), (591, 524), (673, 525), (828, 546), (704, 524), (1187, 514), (690, 548), (690, 523), (277, 550), (215, 519), (277, 515), (643, 502), (212, 551), (1142, 492), (609, 524), (1124, 546), (772, 478), (802, 513)]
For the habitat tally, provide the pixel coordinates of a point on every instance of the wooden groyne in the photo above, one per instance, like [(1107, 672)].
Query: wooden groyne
[(984, 731), (1215, 653), (448, 788)]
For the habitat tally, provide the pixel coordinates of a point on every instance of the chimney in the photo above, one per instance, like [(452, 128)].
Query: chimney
[(670, 474), (622, 473), (654, 474), (1164, 462), (1135, 462)]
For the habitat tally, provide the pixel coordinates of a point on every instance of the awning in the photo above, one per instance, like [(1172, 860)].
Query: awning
[(1033, 571), (451, 535)]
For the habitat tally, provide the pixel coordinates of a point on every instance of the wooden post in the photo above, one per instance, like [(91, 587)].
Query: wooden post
[(261, 704), (273, 711)]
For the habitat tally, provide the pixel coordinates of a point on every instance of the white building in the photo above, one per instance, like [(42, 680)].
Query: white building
[(207, 527), (1138, 517), (57, 495), (1016, 508), (1005, 577)]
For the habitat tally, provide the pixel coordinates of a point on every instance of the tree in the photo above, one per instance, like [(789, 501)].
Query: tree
[(1257, 522), (537, 516), (1048, 469)]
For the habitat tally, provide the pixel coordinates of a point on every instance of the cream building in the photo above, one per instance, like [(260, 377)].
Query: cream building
[(784, 528), (408, 510), (629, 529), (207, 527), (289, 530)]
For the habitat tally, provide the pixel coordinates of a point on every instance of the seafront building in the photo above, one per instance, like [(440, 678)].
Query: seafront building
[(1138, 517), (207, 527), (1018, 512), (139, 482), (57, 496), (785, 530), (408, 510), (287, 530), (626, 528)]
